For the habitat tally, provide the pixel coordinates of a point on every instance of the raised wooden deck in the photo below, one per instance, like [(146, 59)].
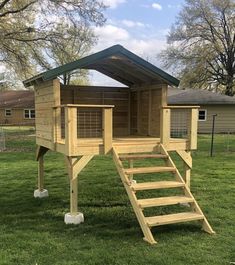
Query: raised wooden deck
[(131, 144)]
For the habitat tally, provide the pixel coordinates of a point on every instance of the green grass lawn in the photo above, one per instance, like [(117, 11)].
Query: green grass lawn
[(32, 231)]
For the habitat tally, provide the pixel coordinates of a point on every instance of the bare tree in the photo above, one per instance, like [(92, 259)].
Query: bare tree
[(202, 45), (31, 30)]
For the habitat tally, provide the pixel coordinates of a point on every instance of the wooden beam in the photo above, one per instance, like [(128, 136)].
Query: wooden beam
[(40, 151), (186, 157)]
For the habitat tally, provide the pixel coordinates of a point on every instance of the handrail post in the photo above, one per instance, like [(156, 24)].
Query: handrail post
[(165, 130), (107, 129), (192, 129), (70, 130)]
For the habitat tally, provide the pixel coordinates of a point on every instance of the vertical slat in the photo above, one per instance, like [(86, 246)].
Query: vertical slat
[(57, 124), (165, 126), (70, 130), (107, 129), (129, 113), (138, 112), (149, 111), (192, 129)]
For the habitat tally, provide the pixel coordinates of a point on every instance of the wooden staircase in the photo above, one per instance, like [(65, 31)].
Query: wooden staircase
[(132, 189)]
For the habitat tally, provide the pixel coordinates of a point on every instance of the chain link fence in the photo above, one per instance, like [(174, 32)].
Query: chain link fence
[(17, 138)]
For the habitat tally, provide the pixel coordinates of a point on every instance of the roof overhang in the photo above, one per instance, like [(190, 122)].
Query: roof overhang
[(115, 62)]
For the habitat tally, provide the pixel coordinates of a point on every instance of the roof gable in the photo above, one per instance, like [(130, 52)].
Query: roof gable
[(115, 62)]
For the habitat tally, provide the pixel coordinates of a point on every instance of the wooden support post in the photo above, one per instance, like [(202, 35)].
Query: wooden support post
[(40, 173), (74, 196), (165, 126), (40, 192), (70, 130), (74, 167), (107, 129), (187, 160), (192, 129)]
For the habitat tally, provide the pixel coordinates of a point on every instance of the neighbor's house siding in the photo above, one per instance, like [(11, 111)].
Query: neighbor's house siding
[(224, 122), (16, 118)]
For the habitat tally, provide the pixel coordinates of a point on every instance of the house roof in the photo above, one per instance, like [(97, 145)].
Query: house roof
[(115, 62), (17, 99), (197, 97)]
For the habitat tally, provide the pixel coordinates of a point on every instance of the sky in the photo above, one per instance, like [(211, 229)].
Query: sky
[(139, 25)]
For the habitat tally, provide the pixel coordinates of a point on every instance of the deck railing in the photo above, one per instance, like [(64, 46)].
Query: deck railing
[(67, 125), (190, 121)]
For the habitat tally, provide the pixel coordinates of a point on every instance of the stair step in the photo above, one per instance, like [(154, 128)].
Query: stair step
[(173, 218), (144, 203), (142, 156), (141, 170), (156, 185)]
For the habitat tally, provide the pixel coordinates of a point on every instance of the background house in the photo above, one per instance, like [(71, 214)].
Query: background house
[(17, 107), (210, 103)]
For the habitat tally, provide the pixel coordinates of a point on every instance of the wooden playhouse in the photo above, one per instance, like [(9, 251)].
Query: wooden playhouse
[(130, 123)]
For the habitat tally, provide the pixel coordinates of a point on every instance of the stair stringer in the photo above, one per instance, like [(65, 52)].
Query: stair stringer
[(132, 197), (195, 207)]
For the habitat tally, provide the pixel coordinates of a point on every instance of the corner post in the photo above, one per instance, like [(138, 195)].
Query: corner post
[(165, 126), (107, 129), (192, 129), (70, 130)]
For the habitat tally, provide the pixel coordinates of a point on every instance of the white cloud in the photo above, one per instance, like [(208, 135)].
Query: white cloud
[(157, 6), (113, 3), (110, 32), (131, 23)]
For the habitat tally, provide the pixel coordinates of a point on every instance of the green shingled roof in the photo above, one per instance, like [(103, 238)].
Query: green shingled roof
[(115, 62)]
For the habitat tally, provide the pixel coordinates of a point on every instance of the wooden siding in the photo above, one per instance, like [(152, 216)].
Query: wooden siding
[(89, 121), (47, 95), (16, 118), (145, 110)]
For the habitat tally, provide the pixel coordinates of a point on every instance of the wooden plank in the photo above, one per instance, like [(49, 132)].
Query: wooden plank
[(107, 129), (162, 201), (85, 106), (156, 185), (186, 157), (173, 218), (135, 157), (180, 107), (143, 170)]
